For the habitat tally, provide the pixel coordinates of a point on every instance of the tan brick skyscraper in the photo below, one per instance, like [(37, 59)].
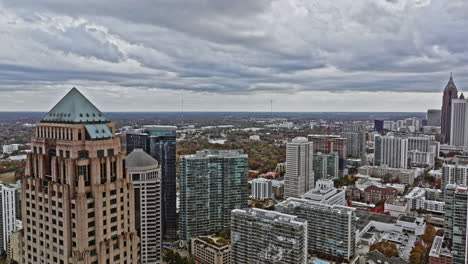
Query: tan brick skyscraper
[(77, 203)]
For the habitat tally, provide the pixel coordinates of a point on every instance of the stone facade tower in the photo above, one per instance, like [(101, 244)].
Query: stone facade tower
[(450, 92), (78, 203)]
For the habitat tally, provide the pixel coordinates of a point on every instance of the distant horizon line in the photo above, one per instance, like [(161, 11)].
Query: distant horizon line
[(233, 111)]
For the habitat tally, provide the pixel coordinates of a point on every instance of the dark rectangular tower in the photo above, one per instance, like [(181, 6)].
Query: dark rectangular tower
[(160, 143)]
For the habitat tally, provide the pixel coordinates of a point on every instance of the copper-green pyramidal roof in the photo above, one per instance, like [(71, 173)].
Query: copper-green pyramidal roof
[(75, 108)]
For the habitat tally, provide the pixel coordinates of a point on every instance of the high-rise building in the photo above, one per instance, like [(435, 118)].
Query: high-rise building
[(450, 93), (433, 117), (9, 206), (77, 202), (212, 184), (299, 177), (356, 140), (325, 166), (454, 174), (262, 189), (260, 236), (331, 228), (422, 144), (378, 125), (391, 151), (456, 225), (330, 143), (145, 173), (459, 122), (160, 143)]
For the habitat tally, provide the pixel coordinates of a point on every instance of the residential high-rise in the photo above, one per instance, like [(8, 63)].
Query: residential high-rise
[(454, 174), (450, 93), (260, 236), (145, 173), (325, 166), (77, 202), (330, 143), (212, 184), (331, 228), (160, 143), (9, 207), (391, 151), (299, 177), (422, 144), (459, 122), (262, 189), (356, 140), (433, 117), (456, 225)]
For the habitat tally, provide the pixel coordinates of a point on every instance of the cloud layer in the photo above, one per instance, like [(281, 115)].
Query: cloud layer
[(305, 54)]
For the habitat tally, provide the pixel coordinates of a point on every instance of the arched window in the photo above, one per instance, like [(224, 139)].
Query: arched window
[(79, 134)]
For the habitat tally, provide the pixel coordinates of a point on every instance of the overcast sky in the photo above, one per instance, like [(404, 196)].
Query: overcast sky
[(232, 55)]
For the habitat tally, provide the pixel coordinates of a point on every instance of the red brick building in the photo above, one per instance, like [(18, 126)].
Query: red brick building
[(374, 193)]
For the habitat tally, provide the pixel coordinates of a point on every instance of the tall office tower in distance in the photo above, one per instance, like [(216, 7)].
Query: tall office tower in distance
[(299, 177), (325, 166), (77, 202), (450, 93), (455, 226), (378, 125), (145, 173), (332, 227), (330, 143), (160, 143), (260, 236), (391, 151), (212, 184), (356, 140), (433, 117), (9, 206), (459, 123)]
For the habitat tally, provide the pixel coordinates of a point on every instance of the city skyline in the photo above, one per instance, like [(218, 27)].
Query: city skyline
[(328, 56)]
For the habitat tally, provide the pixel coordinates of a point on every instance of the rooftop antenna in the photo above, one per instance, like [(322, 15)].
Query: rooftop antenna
[(271, 107), (182, 110)]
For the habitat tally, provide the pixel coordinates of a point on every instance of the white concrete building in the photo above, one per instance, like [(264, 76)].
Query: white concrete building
[(459, 123), (262, 189), (418, 158), (254, 137), (9, 199), (325, 193), (8, 149), (396, 207), (145, 174), (299, 177), (454, 174), (391, 151), (405, 176), (426, 199)]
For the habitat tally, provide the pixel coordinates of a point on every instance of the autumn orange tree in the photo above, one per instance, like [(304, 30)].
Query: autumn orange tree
[(388, 249), (418, 254), (429, 235)]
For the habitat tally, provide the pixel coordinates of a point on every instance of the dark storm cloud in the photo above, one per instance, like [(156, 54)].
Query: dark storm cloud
[(234, 47)]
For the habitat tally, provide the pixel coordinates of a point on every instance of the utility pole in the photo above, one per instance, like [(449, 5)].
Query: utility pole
[(271, 107), (182, 110)]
